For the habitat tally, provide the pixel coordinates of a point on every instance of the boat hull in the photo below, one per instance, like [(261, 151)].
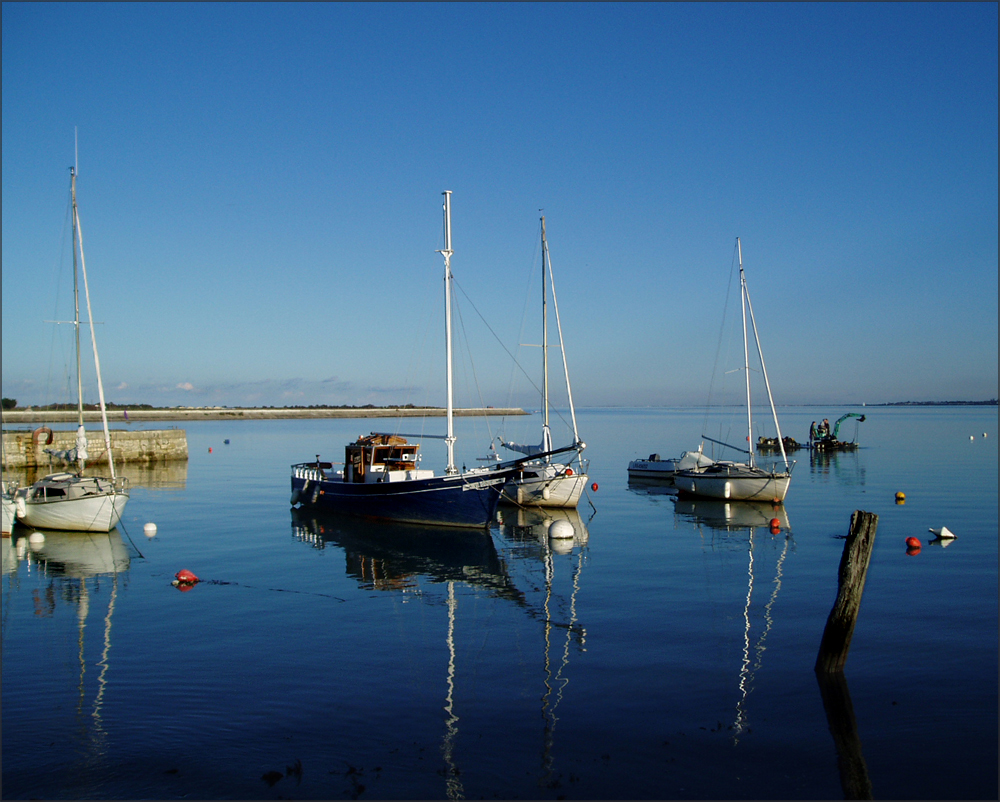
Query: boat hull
[(549, 487), (468, 499), (92, 514), (734, 483), (652, 469), (8, 516)]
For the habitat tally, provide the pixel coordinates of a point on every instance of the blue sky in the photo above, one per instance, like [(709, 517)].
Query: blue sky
[(259, 189)]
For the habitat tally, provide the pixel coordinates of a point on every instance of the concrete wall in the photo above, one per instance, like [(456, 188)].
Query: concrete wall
[(26, 449)]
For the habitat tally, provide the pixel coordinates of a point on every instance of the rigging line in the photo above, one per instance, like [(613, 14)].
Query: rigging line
[(524, 318), (495, 335), (718, 347), (472, 365), (122, 525), (57, 269)]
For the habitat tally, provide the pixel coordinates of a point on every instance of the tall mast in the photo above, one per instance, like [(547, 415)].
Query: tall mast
[(76, 302), (93, 340), (446, 252), (746, 350), (545, 346)]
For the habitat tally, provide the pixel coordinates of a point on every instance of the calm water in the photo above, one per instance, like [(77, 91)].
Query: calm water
[(666, 653)]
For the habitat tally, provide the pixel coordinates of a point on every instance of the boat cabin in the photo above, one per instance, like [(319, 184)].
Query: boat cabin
[(382, 458)]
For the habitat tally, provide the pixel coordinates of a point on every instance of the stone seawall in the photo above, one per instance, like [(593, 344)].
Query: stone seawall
[(26, 449)]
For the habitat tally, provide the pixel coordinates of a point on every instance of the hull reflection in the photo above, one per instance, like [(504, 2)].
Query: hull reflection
[(389, 556)]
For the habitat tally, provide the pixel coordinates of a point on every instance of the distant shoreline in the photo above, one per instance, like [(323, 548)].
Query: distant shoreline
[(251, 413)]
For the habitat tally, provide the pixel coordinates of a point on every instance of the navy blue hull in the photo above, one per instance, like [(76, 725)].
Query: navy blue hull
[(460, 500)]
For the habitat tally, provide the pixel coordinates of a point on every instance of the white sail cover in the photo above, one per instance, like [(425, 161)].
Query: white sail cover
[(692, 460), (531, 450), (78, 452)]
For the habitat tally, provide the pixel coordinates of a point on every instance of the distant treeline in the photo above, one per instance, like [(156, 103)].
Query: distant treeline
[(10, 403), (990, 403)]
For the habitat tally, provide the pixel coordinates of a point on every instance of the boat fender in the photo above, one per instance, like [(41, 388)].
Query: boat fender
[(295, 497), (20, 507), (315, 494)]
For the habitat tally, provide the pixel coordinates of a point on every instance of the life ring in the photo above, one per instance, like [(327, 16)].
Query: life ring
[(48, 435)]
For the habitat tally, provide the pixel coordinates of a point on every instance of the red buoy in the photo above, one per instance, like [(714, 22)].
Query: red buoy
[(594, 487), (185, 577), (775, 523), (209, 449), (569, 471), (913, 542)]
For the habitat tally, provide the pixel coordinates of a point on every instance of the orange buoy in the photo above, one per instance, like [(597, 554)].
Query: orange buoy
[(913, 542), (775, 523), (594, 487)]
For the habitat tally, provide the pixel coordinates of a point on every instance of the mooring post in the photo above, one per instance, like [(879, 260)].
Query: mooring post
[(853, 571)]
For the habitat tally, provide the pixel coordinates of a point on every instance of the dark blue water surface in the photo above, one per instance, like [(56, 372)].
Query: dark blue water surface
[(667, 651)]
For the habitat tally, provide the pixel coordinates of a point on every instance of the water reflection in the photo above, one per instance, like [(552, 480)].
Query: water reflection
[(767, 532), (843, 467), (72, 569), (387, 556), (166, 475), (395, 557), (546, 536), (731, 516)]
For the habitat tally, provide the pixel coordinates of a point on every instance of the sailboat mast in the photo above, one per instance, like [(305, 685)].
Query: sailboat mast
[(746, 350), (76, 302), (545, 340), (446, 252), (93, 340)]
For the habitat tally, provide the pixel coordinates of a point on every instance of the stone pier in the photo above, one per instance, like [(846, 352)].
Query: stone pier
[(26, 449)]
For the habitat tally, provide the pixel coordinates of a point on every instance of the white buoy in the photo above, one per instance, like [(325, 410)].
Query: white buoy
[(561, 529), (944, 533), (149, 530), (36, 539), (972, 437)]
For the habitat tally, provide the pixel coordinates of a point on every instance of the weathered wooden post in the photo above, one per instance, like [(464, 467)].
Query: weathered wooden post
[(853, 571), (833, 654)]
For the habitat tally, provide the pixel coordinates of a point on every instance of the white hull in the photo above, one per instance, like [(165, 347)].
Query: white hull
[(550, 487), (734, 482), (67, 502), (656, 468), (8, 516), (650, 469)]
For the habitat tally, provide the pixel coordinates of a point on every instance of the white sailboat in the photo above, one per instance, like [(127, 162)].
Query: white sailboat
[(72, 501), (742, 480), (545, 483)]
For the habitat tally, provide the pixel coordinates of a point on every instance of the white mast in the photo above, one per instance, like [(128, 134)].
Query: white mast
[(746, 350), (93, 337), (546, 435), (447, 252)]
